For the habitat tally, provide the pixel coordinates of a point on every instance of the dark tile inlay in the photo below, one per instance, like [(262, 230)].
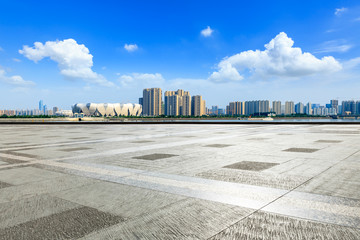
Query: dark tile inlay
[(251, 166), (74, 149), (142, 141), (4, 185), (303, 150), (70, 224), (155, 156), (218, 145), (328, 141)]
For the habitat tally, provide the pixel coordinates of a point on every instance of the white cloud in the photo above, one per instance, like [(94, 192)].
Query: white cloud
[(1, 49), (131, 47), (141, 80), (279, 59), (207, 32), (339, 46), (15, 80), (74, 60), (339, 11), (16, 60)]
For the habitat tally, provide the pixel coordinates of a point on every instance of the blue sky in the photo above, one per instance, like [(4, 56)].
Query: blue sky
[(108, 51)]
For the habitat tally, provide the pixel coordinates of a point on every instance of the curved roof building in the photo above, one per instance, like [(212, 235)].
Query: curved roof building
[(107, 109)]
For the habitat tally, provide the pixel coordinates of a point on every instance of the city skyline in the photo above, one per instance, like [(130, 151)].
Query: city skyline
[(300, 51), (181, 103)]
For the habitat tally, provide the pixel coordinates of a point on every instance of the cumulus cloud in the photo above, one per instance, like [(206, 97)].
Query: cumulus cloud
[(74, 60), (207, 32), (141, 79), (15, 80), (131, 47), (279, 59), (339, 11)]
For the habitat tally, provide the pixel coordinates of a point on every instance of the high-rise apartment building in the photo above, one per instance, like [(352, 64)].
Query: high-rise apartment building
[(152, 100), (257, 107), (177, 103), (197, 106), (276, 107), (349, 107), (299, 108), (309, 110), (55, 109), (41, 105), (357, 108), (236, 108), (334, 104), (289, 108)]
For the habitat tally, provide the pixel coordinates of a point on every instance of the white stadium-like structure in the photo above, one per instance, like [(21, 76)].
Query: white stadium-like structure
[(107, 109)]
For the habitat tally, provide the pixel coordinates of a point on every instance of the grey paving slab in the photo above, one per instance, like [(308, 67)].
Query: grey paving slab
[(70, 224), (42, 187), (251, 166), (74, 149), (4, 185), (155, 156), (287, 182), (190, 219), (119, 199), (29, 209), (23, 175), (328, 141), (262, 225), (218, 145), (302, 150)]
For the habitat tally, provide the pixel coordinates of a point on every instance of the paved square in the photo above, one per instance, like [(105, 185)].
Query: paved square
[(180, 181)]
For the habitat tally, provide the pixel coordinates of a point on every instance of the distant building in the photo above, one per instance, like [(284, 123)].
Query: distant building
[(107, 109), (276, 107), (45, 110), (309, 109), (334, 104), (141, 101), (152, 102), (315, 105), (236, 108), (299, 108), (214, 110), (177, 103), (349, 107), (257, 107), (41, 105), (55, 109), (289, 108), (197, 106)]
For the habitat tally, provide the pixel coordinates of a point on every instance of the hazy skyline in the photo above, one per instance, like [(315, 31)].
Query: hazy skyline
[(226, 51)]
